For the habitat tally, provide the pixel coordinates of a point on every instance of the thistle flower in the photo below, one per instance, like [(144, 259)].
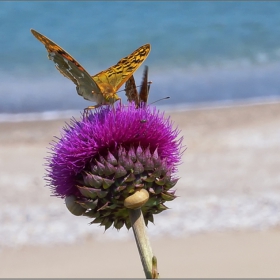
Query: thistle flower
[(111, 154)]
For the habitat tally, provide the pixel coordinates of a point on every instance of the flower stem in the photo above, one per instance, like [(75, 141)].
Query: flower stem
[(149, 262)]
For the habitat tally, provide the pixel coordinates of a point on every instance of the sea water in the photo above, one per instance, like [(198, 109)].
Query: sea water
[(202, 52)]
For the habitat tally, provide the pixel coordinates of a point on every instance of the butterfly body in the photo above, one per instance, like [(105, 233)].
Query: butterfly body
[(101, 88)]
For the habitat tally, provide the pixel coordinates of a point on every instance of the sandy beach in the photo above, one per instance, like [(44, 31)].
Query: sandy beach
[(245, 254), (231, 167)]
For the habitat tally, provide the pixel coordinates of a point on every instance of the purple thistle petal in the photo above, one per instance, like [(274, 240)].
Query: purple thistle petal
[(106, 129)]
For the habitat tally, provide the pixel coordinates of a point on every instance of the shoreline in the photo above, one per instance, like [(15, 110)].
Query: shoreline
[(174, 108)]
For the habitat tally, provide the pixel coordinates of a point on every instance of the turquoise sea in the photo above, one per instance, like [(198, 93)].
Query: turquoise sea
[(202, 52)]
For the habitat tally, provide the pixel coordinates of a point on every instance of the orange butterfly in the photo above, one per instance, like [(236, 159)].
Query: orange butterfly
[(101, 88)]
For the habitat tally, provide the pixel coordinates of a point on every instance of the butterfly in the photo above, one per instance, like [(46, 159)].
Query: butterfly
[(140, 99), (101, 88)]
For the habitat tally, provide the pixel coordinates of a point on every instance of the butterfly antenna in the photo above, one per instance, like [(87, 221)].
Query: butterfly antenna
[(167, 97)]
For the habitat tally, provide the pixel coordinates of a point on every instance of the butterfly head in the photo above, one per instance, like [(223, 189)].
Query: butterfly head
[(109, 93)]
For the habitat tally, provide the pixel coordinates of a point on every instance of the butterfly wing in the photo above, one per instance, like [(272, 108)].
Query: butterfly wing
[(144, 90), (118, 74), (71, 69), (131, 91)]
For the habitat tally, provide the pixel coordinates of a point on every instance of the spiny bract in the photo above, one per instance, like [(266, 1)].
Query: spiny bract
[(110, 154)]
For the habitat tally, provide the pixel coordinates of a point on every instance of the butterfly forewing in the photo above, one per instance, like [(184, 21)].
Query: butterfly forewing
[(71, 69), (118, 74), (53, 47)]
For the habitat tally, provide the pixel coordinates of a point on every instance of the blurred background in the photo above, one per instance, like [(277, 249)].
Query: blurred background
[(220, 64), (201, 51)]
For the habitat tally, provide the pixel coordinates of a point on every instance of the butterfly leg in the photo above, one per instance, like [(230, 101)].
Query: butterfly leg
[(91, 107), (88, 109)]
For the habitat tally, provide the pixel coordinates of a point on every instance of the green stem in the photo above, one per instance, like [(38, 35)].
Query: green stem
[(142, 241)]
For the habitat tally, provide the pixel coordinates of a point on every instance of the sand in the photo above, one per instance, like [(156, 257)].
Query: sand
[(246, 254), (231, 152)]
